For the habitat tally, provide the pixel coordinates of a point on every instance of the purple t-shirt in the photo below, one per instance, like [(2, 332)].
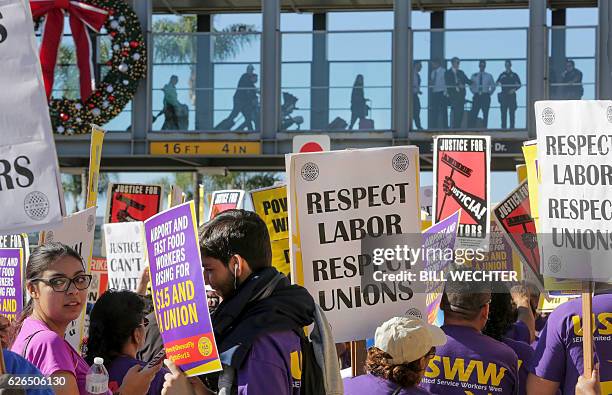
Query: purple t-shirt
[(119, 367), (558, 356), (519, 332), (368, 384), (471, 361), (49, 352), (272, 366), (525, 354)]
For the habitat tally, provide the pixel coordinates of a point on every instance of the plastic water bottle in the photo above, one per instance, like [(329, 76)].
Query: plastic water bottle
[(96, 381)]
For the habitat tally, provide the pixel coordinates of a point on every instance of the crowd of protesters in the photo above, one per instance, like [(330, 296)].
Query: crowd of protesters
[(259, 318)]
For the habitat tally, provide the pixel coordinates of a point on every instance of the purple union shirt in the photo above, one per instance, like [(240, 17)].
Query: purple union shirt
[(471, 361), (558, 356), (272, 366), (368, 384)]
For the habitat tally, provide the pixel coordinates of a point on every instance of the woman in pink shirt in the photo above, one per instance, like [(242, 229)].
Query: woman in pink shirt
[(57, 283)]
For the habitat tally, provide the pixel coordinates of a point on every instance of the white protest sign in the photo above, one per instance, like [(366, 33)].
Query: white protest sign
[(426, 199), (575, 197), (337, 201), (30, 185), (125, 254), (77, 231)]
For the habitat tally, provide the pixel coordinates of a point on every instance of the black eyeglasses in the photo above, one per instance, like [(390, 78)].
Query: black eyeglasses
[(62, 284)]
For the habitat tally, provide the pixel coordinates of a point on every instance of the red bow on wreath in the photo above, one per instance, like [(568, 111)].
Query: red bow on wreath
[(81, 15)]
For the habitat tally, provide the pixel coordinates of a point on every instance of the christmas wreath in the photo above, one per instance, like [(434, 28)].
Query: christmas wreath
[(127, 64)]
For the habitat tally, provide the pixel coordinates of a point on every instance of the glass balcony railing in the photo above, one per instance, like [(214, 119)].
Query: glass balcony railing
[(470, 101), (572, 62), (328, 83), (342, 80), (205, 81)]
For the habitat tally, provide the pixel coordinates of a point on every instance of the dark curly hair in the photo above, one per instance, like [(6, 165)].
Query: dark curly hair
[(111, 324), (406, 375), (502, 313)]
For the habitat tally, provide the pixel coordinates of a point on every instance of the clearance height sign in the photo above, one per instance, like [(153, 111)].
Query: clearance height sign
[(336, 200), (271, 205)]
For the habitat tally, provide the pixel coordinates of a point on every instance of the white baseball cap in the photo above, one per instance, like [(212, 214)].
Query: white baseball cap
[(407, 339)]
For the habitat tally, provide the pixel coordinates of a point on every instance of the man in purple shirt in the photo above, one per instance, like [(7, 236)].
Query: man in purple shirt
[(558, 359), (256, 325), (470, 362)]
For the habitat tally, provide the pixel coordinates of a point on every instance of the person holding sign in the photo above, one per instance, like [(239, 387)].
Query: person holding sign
[(558, 359), (257, 323), (57, 284), (116, 330), (403, 346), (494, 365), (501, 318)]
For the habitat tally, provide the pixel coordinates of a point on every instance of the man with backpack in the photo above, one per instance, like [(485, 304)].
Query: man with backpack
[(259, 323)]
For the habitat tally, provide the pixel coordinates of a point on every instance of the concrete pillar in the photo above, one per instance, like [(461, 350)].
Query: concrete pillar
[(536, 60), (270, 69), (204, 75), (557, 46), (141, 103), (402, 68), (604, 52), (319, 74), (436, 51)]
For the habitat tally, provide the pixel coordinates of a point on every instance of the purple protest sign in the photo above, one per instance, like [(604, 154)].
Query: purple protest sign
[(440, 236), (179, 294), (11, 285)]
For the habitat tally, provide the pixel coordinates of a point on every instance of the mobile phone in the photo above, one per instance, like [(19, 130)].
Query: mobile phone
[(156, 360)]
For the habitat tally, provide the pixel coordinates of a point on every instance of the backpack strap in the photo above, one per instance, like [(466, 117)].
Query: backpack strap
[(397, 391), (28, 340)]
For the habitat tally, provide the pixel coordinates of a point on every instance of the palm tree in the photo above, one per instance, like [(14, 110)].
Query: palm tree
[(170, 48)]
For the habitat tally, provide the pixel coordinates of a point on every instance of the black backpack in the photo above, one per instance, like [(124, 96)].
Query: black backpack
[(312, 377)]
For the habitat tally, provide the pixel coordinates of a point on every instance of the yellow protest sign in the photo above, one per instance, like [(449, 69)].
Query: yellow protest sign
[(95, 155), (271, 205), (521, 172)]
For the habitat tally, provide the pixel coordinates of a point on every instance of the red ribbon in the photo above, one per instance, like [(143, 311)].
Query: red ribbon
[(80, 15)]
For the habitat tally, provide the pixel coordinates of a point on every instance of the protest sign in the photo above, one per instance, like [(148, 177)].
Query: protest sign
[(179, 293), (337, 201), (11, 282), (20, 241), (426, 199), (514, 218), (440, 236), (77, 231), (176, 197), (132, 202), (99, 285), (521, 173), (30, 185), (574, 156), (461, 181), (530, 153), (271, 205), (95, 155), (499, 255), (224, 200), (125, 254)]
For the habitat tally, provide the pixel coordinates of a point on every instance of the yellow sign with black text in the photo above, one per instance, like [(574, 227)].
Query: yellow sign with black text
[(271, 205), (205, 148)]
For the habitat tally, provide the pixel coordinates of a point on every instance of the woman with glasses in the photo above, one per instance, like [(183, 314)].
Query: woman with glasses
[(396, 364), (116, 332), (57, 284)]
